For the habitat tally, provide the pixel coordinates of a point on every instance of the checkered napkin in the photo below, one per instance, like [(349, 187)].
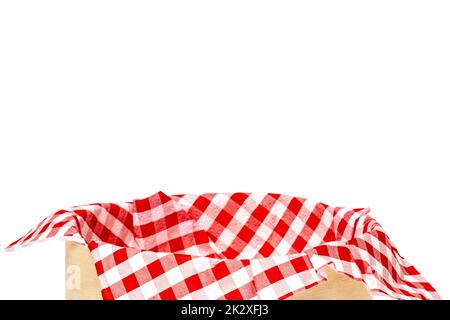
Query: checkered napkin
[(230, 246)]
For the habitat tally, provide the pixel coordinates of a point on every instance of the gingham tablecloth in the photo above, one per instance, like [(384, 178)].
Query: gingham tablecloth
[(230, 246)]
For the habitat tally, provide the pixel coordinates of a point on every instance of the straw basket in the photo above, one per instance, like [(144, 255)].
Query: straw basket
[(82, 282)]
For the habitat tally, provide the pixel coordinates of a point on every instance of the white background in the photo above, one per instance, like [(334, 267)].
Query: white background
[(345, 102)]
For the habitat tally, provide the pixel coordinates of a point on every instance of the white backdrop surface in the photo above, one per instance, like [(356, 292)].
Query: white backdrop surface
[(343, 102)]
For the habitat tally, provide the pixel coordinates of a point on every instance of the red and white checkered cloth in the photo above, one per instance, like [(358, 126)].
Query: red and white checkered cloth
[(230, 246)]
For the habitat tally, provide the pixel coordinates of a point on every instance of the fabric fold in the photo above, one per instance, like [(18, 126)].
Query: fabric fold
[(230, 246)]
